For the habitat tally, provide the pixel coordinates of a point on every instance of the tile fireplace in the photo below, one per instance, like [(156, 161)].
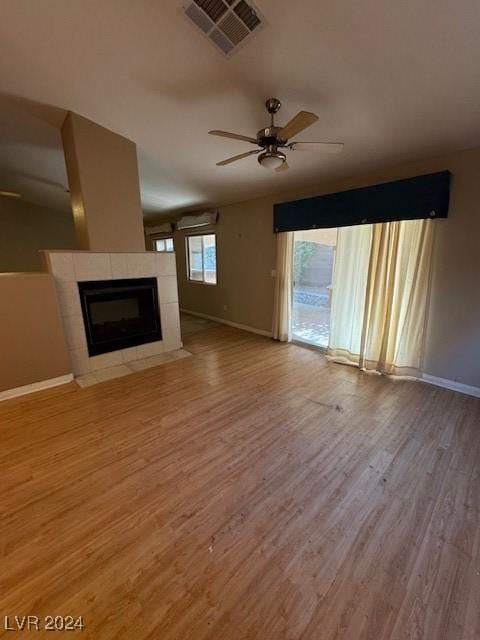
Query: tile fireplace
[(116, 307)]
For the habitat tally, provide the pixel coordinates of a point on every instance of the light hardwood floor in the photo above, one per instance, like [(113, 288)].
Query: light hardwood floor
[(193, 324), (252, 491)]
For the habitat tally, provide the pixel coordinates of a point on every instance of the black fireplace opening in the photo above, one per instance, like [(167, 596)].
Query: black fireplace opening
[(119, 313)]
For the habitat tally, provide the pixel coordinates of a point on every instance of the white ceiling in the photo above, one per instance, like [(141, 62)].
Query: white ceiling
[(394, 80)]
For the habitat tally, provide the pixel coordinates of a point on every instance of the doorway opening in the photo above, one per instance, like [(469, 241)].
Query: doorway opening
[(313, 263)]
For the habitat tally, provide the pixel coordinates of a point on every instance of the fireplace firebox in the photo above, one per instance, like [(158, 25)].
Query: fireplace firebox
[(119, 313)]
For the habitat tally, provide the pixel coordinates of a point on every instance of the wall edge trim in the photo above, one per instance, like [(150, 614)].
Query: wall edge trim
[(452, 385), (35, 386), (236, 325)]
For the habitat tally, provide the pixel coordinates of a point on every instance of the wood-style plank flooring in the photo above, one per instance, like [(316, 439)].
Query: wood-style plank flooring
[(253, 491)]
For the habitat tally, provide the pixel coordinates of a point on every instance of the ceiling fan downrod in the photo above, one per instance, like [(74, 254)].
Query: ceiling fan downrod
[(273, 106)]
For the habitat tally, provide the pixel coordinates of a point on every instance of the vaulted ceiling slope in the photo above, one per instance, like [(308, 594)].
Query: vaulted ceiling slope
[(392, 80)]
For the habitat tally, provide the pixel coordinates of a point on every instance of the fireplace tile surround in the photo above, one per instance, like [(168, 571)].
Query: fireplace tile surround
[(69, 268)]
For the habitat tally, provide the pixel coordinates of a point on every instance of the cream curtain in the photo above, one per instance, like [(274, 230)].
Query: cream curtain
[(349, 285), (282, 306), (380, 296)]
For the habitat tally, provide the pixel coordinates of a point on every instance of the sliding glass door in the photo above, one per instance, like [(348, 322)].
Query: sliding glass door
[(313, 260)]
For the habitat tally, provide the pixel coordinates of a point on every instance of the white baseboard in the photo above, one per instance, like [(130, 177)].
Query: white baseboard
[(35, 386), (439, 382), (452, 385), (236, 325)]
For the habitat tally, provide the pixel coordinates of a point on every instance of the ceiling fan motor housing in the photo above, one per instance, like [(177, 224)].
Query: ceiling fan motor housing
[(269, 136)]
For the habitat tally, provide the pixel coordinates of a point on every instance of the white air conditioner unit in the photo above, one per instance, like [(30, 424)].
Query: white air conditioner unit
[(166, 227), (202, 220)]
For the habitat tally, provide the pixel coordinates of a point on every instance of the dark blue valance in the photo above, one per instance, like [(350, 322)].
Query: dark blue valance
[(411, 199)]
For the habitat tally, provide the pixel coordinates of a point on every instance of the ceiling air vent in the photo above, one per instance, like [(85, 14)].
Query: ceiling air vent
[(229, 24)]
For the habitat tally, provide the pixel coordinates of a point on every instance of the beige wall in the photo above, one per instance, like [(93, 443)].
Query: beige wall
[(246, 254), (25, 229), (245, 259), (32, 344), (103, 177)]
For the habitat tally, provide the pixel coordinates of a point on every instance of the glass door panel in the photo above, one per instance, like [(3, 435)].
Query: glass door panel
[(313, 259)]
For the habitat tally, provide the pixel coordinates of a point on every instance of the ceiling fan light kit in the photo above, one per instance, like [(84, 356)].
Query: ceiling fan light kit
[(273, 138), (271, 159)]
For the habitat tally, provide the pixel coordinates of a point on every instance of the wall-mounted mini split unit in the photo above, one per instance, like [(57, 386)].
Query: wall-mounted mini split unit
[(200, 220), (229, 24)]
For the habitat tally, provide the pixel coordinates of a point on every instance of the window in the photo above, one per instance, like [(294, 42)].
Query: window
[(164, 245), (202, 258)]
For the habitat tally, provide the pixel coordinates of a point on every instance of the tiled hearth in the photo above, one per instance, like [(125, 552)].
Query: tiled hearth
[(69, 268), (102, 375)]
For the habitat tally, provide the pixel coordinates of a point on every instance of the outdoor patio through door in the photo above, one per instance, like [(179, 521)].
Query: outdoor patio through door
[(313, 260)]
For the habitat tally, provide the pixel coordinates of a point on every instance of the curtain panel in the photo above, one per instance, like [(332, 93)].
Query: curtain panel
[(380, 296), (282, 305)]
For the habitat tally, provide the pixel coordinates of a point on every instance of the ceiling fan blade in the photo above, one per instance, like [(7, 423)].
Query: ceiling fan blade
[(283, 167), (235, 136), (322, 147), (298, 123), (239, 157)]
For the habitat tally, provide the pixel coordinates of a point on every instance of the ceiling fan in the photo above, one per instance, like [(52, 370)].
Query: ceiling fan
[(273, 138)]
